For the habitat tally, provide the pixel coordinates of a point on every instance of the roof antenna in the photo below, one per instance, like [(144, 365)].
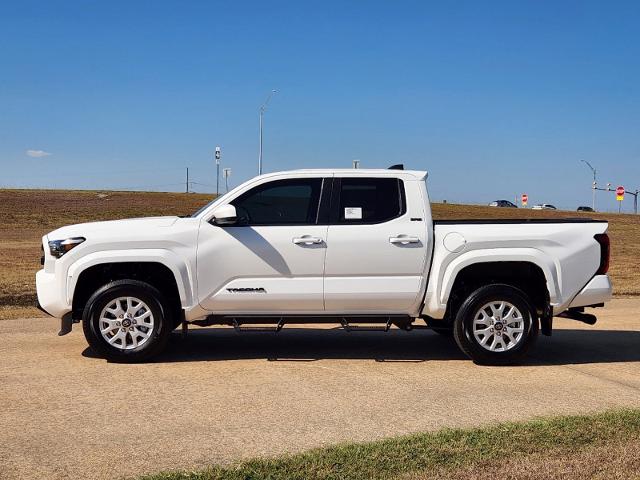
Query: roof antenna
[(398, 166)]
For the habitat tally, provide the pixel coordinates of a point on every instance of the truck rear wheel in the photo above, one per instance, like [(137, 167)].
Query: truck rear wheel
[(127, 321), (496, 325)]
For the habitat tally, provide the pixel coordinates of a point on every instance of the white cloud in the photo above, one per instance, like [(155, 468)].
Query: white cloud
[(37, 153)]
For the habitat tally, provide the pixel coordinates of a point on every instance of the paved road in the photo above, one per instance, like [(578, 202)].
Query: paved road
[(219, 396)]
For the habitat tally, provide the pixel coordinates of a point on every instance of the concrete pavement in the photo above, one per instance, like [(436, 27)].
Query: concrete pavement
[(219, 396)]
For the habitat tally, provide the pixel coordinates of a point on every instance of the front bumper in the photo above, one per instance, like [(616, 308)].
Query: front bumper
[(597, 291), (51, 302), (51, 297)]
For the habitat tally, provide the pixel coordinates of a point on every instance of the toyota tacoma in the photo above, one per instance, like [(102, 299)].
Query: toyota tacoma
[(358, 248)]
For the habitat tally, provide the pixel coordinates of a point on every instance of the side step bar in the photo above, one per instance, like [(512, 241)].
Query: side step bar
[(578, 314), (350, 327), (356, 323), (237, 326)]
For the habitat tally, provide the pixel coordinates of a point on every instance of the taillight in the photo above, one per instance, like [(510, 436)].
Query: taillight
[(605, 252)]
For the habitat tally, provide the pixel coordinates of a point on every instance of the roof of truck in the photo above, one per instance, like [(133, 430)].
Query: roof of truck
[(416, 174)]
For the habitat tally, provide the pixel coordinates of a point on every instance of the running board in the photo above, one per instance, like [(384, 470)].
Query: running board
[(275, 323), (237, 326), (351, 327), (578, 314)]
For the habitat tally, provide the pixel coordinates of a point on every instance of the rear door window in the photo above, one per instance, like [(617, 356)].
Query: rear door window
[(368, 200)]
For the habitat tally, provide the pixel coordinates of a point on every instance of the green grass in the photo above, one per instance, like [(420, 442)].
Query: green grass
[(446, 450)]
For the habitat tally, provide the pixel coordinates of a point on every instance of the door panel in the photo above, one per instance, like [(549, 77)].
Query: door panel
[(261, 269), (366, 293), (375, 267), (272, 260)]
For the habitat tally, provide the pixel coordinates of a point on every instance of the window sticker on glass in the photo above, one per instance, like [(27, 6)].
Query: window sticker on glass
[(353, 213)]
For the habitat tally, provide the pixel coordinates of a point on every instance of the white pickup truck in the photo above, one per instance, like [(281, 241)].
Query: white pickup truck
[(354, 247)]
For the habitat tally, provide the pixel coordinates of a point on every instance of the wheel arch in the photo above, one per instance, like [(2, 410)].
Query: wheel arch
[(447, 276), (525, 276), (159, 268), (488, 259)]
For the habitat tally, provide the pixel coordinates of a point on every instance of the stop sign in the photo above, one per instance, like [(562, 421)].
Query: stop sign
[(619, 193)]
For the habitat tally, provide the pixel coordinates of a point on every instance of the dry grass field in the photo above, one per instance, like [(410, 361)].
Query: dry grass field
[(26, 215)]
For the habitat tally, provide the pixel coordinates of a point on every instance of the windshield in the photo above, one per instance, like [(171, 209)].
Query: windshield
[(221, 200), (202, 209)]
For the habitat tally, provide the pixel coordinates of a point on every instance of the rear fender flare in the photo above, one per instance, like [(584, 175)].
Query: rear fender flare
[(549, 268)]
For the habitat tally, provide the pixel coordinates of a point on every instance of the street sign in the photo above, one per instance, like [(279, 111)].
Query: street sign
[(218, 155), (620, 193), (525, 199)]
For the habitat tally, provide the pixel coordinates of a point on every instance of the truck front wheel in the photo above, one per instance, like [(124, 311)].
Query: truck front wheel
[(496, 325), (127, 321)]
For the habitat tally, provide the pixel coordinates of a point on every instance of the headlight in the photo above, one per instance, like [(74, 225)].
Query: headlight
[(59, 247)]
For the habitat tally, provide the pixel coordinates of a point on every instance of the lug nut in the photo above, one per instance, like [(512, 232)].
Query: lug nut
[(117, 324)]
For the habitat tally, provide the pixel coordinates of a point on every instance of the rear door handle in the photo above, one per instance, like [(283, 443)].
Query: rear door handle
[(404, 240), (307, 240)]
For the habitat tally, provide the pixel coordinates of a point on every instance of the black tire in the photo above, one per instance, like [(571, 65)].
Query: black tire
[(445, 332), (163, 321), (464, 324), (440, 327)]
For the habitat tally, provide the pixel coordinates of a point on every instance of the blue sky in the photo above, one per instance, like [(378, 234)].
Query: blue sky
[(494, 99)]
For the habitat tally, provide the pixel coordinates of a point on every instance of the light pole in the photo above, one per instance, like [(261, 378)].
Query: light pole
[(593, 205), (226, 173), (218, 155), (263, 108)]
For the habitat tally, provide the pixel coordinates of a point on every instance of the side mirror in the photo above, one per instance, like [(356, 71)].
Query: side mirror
[(225, 215)]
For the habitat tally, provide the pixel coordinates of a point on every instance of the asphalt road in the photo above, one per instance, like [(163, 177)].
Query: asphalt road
[(219, 396)]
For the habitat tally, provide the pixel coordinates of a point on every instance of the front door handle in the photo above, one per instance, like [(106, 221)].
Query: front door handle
[(307, 240), (404, 240)]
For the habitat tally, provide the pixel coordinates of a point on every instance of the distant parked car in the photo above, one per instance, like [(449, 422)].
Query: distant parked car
[(544, 206), (503, 203), (585, 209)]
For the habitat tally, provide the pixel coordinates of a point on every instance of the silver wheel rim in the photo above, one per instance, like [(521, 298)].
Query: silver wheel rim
[(126, 323), (498, 326)]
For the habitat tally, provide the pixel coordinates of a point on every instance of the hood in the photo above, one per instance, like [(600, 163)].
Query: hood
[(112, 227)]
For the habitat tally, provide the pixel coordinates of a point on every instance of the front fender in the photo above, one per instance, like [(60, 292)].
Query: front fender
[(181, 271)]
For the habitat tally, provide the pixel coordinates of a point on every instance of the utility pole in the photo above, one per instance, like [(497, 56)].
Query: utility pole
[(187, 182), (594, 185), (627, 192), (263, 108), (635, 199), (218, 155)]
